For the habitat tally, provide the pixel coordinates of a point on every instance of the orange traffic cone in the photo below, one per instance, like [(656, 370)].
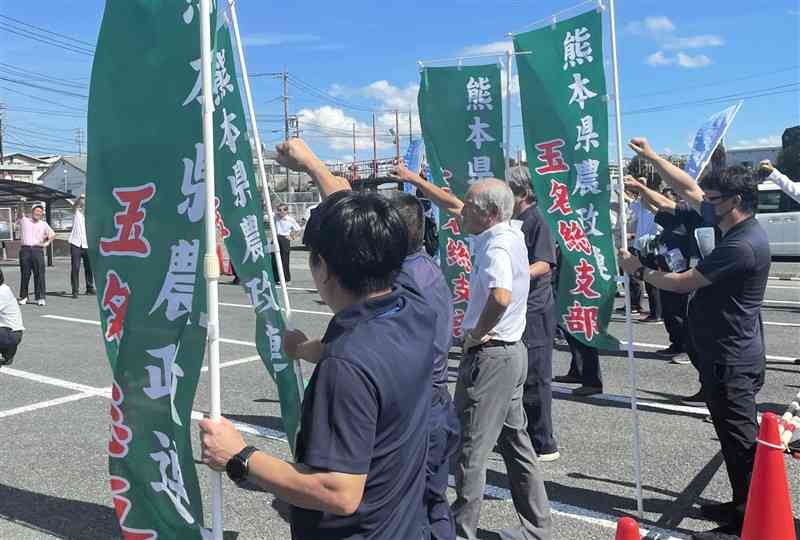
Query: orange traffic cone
[(769, 508), (627, 529)]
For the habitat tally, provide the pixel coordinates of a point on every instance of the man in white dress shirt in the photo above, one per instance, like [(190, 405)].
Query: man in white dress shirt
[(285, 227), (78, 250)]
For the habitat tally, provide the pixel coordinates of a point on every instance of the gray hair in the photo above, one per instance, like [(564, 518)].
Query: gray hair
[(519, 180), (494, 196)]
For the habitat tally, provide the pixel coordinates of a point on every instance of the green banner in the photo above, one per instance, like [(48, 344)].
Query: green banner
[(565, 119), (242, 228), (460, 110), (145, 208)]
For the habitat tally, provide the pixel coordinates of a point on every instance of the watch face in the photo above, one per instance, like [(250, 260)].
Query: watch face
[(236, 469)]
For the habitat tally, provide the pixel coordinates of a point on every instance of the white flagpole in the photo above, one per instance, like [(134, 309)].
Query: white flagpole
[(260, 158), (509, 56), (211, 263), (623, 223)]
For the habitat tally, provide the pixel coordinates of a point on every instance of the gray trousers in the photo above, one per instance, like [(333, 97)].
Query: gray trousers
[(489, 405)]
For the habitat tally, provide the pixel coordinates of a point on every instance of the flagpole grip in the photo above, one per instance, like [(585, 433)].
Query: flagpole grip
[(211, 263)]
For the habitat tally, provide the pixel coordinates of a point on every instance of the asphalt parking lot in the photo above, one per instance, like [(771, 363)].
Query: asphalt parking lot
[(54, 424)]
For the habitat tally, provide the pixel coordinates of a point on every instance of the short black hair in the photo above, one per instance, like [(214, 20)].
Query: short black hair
[(2, 277), (735, 181), (410, 209), (362, 238)]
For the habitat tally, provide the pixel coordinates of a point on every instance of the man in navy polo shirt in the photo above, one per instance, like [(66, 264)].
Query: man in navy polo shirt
[(362, 447), (730, 283)]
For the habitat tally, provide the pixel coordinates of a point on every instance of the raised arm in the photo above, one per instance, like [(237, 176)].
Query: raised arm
[(655, 201), (792, 189), (443, 199), (297, 156), (683, 184)]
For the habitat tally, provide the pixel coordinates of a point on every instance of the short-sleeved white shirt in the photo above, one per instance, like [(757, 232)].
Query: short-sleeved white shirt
[(10, 314), (501, 261)]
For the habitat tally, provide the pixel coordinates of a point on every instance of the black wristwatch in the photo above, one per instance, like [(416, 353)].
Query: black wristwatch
[(238, 466)]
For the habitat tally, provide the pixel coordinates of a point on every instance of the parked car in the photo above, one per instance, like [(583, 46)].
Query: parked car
[(779, 214)]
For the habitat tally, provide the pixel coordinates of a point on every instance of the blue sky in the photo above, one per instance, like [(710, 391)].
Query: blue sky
[(348, 57)]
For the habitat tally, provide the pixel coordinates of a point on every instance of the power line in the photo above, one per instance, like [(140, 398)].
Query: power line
[(26, 34), (56, 34), (47, 113), (45, 88), (44, 100), (11, 69)]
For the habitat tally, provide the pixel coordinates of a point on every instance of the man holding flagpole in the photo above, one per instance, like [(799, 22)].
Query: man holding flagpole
[(729, 283)]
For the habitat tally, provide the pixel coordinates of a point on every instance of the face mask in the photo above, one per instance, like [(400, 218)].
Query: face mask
[(709, 213)]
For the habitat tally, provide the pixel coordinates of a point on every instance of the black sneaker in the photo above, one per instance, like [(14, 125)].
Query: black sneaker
[(7, 359), (634, 309), (75, 295), (586, 391), (90, 292), (651, 320), (568, 379)]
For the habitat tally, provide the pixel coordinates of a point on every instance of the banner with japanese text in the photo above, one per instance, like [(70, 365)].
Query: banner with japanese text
[(240, 224), (565, 122), (145, 210), (460, 110)]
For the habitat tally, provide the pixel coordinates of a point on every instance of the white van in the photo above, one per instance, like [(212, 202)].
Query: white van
[(779, 214)]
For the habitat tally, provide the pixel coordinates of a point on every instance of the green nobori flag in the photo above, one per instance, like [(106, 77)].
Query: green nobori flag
[(461, 113), (241, 225), (565, 119), (145, 211)]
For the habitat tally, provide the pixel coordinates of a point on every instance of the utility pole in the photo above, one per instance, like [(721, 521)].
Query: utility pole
[(285, 76), (374, 149), (79, 140), (2, 157), (354, 152), (397, 135)]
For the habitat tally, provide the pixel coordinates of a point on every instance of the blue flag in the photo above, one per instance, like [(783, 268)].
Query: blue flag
[(413, 161), (708, 138)]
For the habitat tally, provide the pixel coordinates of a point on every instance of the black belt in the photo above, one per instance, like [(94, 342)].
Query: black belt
[(493, 343), (33, 247)]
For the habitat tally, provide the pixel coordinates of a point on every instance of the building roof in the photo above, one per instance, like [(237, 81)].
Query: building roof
[(79, 162), (25, 156), (11, 192)]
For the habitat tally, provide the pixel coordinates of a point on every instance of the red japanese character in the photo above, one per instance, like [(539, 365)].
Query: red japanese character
[(584, 277), (121, 434), (222, 230), (115, 300), (573, 236), (560, 196), (460, 287), (551, 156), (458, 254), (582, 320), (122, 505), (458, 323), (452, 226), (130, 238)]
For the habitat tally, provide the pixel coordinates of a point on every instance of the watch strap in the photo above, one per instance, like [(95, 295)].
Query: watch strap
[(242, 457)]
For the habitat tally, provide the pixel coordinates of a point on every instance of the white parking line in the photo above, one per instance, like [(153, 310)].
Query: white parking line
[(661, 346), (244, 360), (688, 409), (324, 313), (44, 379), (45, 404), (71, 319)]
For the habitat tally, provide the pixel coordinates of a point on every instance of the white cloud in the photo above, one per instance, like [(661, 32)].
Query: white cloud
[(391, 96), (693, 42), (336, 127), (663, 31), (769, 140), (651, 25), (272, 39), (692, 62), (659, 59), (496, 47)]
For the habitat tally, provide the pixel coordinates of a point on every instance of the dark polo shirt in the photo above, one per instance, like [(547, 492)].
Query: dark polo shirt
[(366, 411), (725, 317)]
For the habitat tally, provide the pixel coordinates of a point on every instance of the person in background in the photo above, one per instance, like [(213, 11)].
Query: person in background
[(78, 250), (35, 235), (540, 317), (286, 227), (11, 327), (792, 189), (646, 229)]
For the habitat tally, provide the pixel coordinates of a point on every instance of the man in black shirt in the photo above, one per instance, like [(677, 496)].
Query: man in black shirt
[(361, 452), (540, 316), (725, 324)]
